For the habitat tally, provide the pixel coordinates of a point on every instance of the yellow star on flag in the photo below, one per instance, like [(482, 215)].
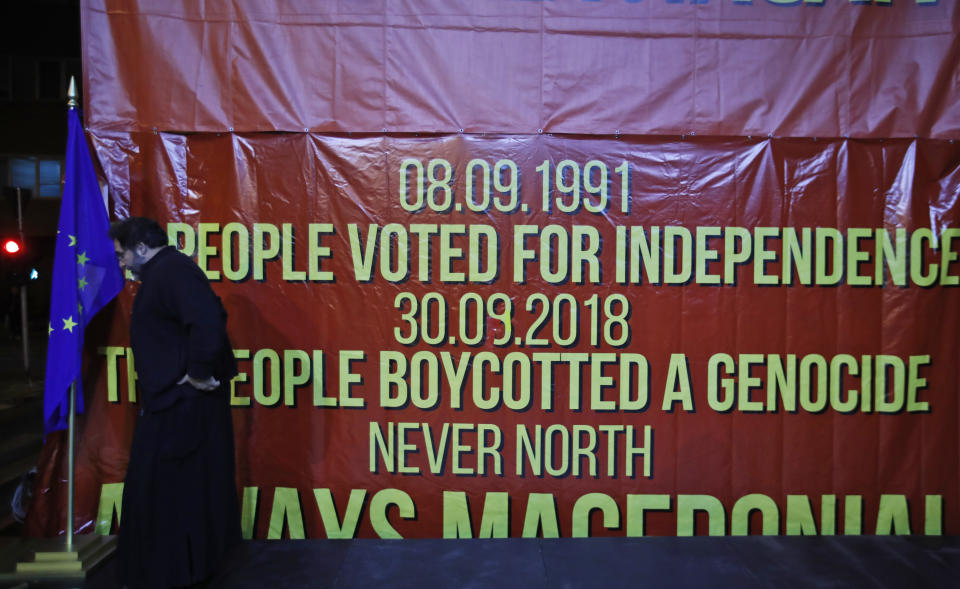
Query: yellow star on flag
[(82, 259), (73, 240), (69, 324), (80, 308), (49, 328), (82, 283)]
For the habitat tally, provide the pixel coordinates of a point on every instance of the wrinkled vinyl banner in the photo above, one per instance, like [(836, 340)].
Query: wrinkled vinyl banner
[(537, 269)]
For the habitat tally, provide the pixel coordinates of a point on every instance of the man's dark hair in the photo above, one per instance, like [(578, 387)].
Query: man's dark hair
[(133, 230)]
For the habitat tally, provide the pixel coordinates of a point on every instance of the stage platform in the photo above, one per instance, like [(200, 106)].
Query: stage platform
[(743, 562)]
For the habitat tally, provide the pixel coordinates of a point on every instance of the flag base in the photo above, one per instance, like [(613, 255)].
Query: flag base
[(51, 559)]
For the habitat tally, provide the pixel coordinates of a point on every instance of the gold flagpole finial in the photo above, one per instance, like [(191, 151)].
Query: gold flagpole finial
[(72, 94)]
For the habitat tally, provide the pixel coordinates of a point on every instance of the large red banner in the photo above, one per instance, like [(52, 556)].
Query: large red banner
[(578, 316)]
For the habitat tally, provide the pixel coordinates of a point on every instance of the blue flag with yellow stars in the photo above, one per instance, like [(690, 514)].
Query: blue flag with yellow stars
[(85, 277)]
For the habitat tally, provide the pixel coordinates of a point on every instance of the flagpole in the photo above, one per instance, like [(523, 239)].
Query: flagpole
[(70, 465), (71, 105), (67, 557)]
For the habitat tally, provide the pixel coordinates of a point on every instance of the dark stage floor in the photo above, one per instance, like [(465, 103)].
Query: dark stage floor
[(839, 561)]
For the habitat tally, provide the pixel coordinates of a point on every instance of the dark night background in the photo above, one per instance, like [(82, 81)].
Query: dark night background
[(39, 51)]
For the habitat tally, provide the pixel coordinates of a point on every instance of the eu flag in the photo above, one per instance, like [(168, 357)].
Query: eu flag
[(85, 277)]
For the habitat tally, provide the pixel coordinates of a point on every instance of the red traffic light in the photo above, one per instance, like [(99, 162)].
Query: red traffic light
[(12, 246)]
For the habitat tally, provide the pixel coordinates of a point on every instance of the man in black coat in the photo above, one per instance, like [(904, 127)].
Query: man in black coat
[(180, 514)]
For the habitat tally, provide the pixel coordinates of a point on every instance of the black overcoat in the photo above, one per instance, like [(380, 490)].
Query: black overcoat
[(180, 514)]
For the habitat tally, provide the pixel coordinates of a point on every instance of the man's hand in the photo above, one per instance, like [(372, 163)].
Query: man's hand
[(201, 385)]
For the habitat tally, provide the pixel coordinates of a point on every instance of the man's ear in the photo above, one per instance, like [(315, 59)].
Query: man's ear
[(141, 249)]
